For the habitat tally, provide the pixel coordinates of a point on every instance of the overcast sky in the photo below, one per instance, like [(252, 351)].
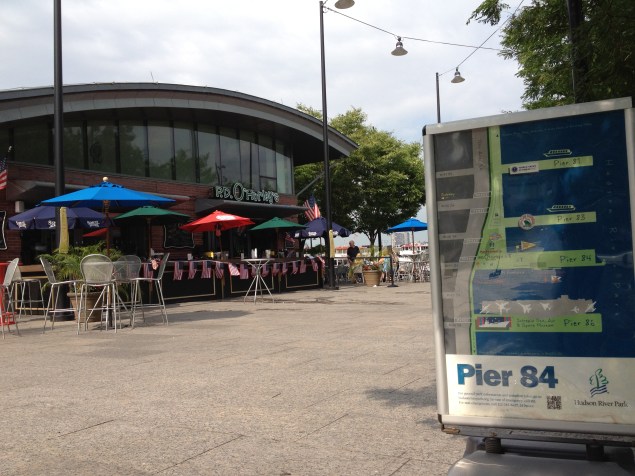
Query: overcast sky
[(272, 50)]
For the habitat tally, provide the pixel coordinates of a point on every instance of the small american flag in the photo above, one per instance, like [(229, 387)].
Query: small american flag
[(314, 263), (206, 272), (276, 269), (192, 269), (244, 272), (295, 267), (265, 271), (312, 211), (302, 267), (284, 268), (233, 270), (4, 172), (220, 271), (178, 271), (147, 270)]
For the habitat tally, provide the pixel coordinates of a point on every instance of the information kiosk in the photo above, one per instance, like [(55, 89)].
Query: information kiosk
[(531, 218)]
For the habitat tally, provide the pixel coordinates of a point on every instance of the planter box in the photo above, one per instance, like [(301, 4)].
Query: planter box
[(91, 300), (371, 278)]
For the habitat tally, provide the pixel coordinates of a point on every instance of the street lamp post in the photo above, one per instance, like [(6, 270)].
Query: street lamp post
[(325, 139), (456, 79)]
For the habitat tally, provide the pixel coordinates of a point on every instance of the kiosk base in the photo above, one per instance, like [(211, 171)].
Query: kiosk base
[(544, 458)]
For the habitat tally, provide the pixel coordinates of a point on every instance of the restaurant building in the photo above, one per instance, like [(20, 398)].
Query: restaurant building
[(206, 148)]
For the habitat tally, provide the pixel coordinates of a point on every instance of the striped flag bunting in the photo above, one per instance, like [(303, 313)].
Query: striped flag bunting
[(295, 267), (192, 269), (314, 263), (244, 272), (284, 268), (233, 270), (147, 270), (220, 271), (206, 272), (265, 271), (276, 269), (302, 267), (178, 271)]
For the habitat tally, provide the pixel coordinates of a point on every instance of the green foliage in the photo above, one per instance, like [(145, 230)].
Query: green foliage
[(380, 184), (67, 265), (537, 37)]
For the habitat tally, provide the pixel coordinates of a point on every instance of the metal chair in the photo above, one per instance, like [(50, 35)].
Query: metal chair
[(53, 300), (23, 293), (7, 306), (98, 273), (153, 281), (126, 269)]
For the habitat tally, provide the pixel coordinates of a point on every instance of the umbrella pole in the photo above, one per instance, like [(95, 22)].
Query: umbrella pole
[(148, 219), (106, 207)]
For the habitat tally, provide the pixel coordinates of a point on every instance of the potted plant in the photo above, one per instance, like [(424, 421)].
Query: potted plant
[(372, 273), (67, 267)]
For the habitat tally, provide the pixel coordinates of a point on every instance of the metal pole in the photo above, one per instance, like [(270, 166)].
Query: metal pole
[(58, 112), (438, 101), (327, 174)]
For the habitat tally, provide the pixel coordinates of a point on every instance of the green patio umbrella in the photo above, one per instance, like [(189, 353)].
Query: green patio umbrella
[(153, 216), (277, 223)]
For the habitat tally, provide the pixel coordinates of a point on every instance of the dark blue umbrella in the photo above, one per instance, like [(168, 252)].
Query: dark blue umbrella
[(317, 229), (43, 218), (411, 225)]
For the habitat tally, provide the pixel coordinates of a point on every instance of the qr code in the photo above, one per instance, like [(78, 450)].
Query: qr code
[(554, 402)]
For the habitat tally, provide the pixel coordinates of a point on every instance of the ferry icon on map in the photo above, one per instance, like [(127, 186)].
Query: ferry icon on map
[(561, 208), (557, 152)]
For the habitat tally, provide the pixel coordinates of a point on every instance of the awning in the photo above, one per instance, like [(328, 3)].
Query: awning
[(246, 209)]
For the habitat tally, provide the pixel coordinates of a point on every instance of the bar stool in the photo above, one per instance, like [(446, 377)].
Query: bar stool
[(7, 305), (126, 269), (24, 288), (98, 273), (156, 281), (56, 287)]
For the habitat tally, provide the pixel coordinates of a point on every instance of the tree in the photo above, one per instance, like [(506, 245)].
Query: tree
[(538, 38), (380, 184)]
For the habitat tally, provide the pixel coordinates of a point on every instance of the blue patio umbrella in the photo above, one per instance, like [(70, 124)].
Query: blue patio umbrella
[(411, 225), (107, 196), (43, 218), (317, 229)]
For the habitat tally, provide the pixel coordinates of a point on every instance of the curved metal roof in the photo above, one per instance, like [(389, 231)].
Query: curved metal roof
[(157, 101)]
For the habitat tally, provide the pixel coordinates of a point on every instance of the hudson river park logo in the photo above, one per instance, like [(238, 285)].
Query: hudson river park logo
[(599, 386)]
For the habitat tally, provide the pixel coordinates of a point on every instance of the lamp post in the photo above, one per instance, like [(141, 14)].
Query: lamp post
[(58, 114), (325, 139), (456, 79)]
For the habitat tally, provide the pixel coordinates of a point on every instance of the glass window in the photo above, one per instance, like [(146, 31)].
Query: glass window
[(74, 145), (247, 138), (184, 152), (229, 156), (267, 160), (132, 148), (5, 142), (160, 149), (208, 154), (101, 139), (32, 144), (284, 169)]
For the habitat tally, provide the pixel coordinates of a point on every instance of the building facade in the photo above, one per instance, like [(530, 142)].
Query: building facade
[(206, 148)]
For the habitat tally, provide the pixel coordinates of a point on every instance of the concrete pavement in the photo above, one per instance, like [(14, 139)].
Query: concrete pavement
[(317, 383)]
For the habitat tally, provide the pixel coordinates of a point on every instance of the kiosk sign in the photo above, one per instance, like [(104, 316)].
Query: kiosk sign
[(531, 249)]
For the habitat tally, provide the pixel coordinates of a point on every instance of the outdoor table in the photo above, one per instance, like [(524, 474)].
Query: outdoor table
[(258, 282)]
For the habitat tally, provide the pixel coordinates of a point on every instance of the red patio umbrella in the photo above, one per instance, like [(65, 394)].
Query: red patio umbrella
[(216, 221)]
